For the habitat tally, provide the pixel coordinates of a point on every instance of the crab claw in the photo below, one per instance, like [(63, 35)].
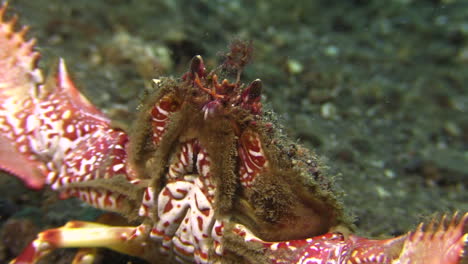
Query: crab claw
[(19, 83), (49, 132), (130, 240), (442, 243)]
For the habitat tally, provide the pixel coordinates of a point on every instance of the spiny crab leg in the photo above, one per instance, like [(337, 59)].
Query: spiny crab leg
[(439, 242), (129, 240)]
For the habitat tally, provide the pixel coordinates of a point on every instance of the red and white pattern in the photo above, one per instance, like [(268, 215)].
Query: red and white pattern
[(50, 133), (147, 203), (217, 235), (182, 165), (331, 248), (184, 162), (160, 115), (102, 199), (77, 143), (252, 158), (185, 211), (20, 80)]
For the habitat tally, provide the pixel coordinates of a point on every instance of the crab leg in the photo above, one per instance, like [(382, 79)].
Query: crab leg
[(440, 242), (49, 132), (77, 234)]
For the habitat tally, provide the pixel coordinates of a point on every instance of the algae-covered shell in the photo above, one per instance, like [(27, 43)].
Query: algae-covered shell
[(214, 137)]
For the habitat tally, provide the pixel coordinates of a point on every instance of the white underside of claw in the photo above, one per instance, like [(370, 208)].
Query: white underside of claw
[(186, 216)]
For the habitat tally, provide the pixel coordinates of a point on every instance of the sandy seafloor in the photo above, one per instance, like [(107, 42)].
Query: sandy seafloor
[(377, 88)]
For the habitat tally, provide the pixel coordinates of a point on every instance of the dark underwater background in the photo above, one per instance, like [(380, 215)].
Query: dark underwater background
[(378, 89)]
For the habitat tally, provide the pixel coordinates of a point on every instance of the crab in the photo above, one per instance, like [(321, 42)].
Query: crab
[(204, 172)]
